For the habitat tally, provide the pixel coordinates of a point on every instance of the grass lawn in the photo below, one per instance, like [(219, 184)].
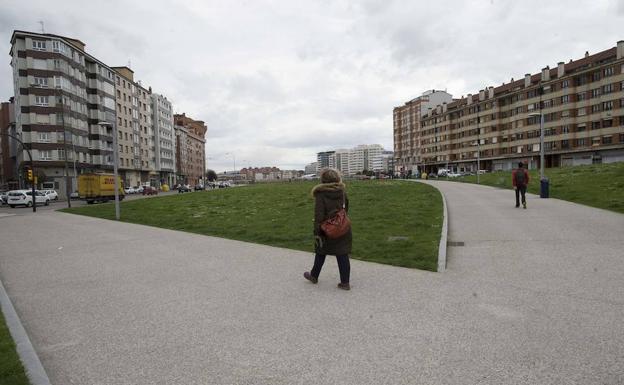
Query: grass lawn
[(598, 185), (11, 370), (281, 214)]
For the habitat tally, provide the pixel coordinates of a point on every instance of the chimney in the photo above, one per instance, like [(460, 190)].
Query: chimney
[(560, 69), (527, 80), (444, 107), (481, 95), (546, 74), (438, 109), (490, 92), (586, 53), (620, 49), (469, 99)]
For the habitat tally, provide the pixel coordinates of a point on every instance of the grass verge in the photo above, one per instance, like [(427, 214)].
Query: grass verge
[(11, 369), (597, 185), (281, 214)]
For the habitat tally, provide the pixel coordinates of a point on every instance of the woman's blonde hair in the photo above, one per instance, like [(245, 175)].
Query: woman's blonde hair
[(330, 175)]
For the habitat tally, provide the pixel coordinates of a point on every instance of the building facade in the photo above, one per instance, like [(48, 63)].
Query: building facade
[(9, 179), (350, 161), (190, 149), (164, 139), (581, 102), (311, 168), (407, 126), (61, 94)]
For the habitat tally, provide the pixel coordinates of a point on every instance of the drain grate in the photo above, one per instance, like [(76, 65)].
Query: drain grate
[(455, 243)]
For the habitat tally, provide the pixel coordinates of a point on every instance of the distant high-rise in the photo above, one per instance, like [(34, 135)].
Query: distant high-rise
[(191, 149)]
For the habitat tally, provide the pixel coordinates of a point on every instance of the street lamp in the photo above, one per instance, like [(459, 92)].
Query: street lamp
[(478, 146), (115, 161), (234, 158)]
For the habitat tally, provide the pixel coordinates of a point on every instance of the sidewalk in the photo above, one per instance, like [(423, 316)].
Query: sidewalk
[(533, 297)]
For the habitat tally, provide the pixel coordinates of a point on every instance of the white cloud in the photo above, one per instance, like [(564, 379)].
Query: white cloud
[(277, 81)]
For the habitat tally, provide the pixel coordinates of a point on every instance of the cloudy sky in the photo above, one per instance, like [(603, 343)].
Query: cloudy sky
[(278, 81)]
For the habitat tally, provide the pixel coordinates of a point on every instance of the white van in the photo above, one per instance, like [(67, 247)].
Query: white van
[(24, 198)]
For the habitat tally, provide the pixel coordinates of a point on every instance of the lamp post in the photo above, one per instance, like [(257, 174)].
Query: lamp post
[(478, 146), (234, 159), (115, 161)]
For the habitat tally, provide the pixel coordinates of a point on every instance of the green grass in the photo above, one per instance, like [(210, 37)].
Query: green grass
[(598, 185), (11, 370), (281, 215)]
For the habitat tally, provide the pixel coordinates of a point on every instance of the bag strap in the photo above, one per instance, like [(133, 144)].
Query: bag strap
[(344, 200)]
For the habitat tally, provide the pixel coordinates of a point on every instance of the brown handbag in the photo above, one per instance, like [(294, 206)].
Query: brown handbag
[(338, 225)]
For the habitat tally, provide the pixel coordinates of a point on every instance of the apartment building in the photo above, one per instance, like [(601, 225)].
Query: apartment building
[(137, 163), (350, 161), (582, 104), (61, 94), (311, 168), (406, 123), (164, 139), (384, 162), (8, 147), (190, 149)]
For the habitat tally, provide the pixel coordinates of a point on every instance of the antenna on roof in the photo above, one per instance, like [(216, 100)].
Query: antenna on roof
[(42, 26), (129, 64)]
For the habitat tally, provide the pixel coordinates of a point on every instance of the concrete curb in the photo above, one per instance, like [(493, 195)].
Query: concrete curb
[(34, 370), (444, 235)]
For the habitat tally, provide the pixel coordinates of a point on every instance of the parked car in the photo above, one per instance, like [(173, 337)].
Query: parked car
[(74, 195), (24, 198), (149, 190), (130, 190), (184, 188), (199, 187), (139, 189), (4, 197), (52, 194)]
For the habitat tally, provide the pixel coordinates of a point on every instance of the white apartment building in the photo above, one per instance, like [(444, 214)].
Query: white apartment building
[(350, 161), (164, 139)]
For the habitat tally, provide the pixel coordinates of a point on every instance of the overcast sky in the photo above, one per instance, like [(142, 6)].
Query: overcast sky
[(278, 81)]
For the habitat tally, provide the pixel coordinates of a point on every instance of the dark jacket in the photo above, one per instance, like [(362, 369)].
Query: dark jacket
[(513, 177), (328, 199)]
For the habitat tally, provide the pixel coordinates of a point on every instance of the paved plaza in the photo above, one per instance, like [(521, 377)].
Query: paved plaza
[(530, 296)]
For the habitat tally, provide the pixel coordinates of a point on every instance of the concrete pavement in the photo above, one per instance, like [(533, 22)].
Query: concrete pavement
[(533, 297)]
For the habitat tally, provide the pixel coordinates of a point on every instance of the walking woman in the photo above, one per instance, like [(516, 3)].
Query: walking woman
[(329, 197)]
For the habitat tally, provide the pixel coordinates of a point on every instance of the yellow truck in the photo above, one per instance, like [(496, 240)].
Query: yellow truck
[(98, 187)]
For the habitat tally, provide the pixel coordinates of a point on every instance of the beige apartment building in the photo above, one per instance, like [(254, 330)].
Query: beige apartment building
[(582, 104), (135, 131), (406, 123), (190, 149)]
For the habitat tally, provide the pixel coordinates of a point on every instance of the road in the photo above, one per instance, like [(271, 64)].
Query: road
[(533, 296)]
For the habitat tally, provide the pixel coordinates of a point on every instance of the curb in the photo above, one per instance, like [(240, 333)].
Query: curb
[(444, 235), (34, 370)]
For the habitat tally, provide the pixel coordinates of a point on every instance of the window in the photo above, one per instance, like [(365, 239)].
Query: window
[(606, 106), (56, 46), (607, 123), (61, 154), (595, 108), (565, 129), (565, 84), (580, 111), (40, 64), (39, 45), (565, 99), (41, 100), (45, 155), (595, 92), (580, 127), (607, 89), (565, 143), (581, 96), (580, 142), (608, 71), (595, 125), (44, 137)]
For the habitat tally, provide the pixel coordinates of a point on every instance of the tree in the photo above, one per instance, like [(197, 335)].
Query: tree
[(211, 175)]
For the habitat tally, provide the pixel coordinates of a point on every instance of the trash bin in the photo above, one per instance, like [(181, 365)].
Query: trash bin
[(544, 188)]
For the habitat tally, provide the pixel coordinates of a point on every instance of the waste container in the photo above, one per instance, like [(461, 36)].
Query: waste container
[(544, 184)]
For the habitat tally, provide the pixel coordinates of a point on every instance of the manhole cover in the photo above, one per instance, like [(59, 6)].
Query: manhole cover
[(455, 243)]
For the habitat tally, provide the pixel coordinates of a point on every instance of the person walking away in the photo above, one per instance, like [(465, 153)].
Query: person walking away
[(329, 197), (520, 180)]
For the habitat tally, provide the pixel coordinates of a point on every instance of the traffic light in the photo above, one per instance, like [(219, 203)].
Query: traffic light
[(29, 175)]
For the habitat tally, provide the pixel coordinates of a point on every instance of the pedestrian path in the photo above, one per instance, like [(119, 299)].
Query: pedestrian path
[(533, 296)]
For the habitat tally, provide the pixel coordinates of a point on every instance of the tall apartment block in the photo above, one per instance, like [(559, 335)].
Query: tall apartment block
[(164, 139), (61, 93), (407, 128), (8, 147), (582, 103), (190, 149), (137, 163)]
